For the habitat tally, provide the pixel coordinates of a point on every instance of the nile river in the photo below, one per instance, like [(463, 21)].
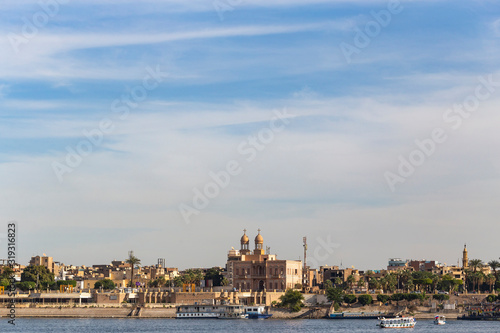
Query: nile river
[(215, 325)]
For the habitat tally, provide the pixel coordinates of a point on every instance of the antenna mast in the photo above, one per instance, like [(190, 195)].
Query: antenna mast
[(304, 270)]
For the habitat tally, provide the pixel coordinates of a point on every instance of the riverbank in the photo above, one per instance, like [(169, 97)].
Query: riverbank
[(167, 311), (128, 312)]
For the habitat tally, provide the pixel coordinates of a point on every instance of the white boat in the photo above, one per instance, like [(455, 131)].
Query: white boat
[(398, 322), (211, 311), (440, 320), (257, 312)]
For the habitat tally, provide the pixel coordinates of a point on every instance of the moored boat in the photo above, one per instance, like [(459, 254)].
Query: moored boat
[(440, 320), (357, 315), (257, 312), (398, 322), (211, 312)]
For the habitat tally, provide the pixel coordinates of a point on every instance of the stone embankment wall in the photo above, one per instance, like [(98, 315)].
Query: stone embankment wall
[(90, 312)]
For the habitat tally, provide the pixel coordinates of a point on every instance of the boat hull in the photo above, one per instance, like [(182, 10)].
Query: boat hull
[(398, 322), (259, 316)]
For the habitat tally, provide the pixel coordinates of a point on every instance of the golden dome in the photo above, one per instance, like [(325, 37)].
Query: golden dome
[(244, 238), (259, 239)]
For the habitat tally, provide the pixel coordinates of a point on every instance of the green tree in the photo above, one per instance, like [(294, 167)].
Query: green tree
[(389, 282), (64, 282), (178, 281), (435, 281), (475, 264), (338, 282), (4, 282), (494, 264), (334, 295), (7, 273), (158, 282), (327, 284), (361, 283), (215, 275), (491, 298), (191, 276), (406, 280), (374, 283), (26, 285), (365, 299), (38, 274), (224, 282), (350, 281), (383, 298), (368, 275), (292, 299), (133, 261), (490, 280), (106, 284), (350, 299)]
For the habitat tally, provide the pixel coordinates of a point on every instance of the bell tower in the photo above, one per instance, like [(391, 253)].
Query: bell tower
[(245, 243), (259, 244)]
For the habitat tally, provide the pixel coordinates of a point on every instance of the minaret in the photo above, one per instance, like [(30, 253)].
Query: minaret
[(465, 259)]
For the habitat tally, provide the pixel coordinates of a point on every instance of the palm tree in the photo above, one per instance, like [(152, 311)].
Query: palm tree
[(480, 279), (368, 275), (361, 283), (494, 264), (406, 279), (193, 276), (132, 261), (475, 264), (491, 279), (350, 281)]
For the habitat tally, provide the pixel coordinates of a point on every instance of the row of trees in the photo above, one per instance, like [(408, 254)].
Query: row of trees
[(338, 295), (408, 281), (476, 280)]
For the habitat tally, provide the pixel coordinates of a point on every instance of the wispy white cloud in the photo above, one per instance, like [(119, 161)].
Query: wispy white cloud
[(3, 90)]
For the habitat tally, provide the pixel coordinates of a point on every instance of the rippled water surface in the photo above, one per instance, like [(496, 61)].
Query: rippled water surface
[(214, 325)]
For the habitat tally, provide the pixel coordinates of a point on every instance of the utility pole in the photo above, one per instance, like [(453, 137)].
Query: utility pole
[(304, 270)]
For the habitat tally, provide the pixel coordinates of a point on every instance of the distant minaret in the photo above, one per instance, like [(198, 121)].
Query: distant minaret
[(465, 259)]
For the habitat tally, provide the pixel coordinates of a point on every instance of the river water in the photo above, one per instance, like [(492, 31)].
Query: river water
[(217, 325)]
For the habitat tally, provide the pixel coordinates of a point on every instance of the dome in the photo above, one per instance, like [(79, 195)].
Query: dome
[(259, 239), (244, 238)]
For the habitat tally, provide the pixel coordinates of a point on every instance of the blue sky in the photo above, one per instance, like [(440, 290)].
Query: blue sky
[(224, 75)]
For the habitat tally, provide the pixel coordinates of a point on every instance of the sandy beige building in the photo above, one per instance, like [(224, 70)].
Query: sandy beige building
[(256, 271)]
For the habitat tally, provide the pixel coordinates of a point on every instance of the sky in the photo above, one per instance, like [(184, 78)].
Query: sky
[(167, 127)]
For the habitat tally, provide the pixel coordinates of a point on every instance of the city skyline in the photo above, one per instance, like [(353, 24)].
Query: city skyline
[(167, 127), (314, 258)]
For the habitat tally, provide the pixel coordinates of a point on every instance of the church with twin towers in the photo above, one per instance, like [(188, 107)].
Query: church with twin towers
[(257, 270)]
